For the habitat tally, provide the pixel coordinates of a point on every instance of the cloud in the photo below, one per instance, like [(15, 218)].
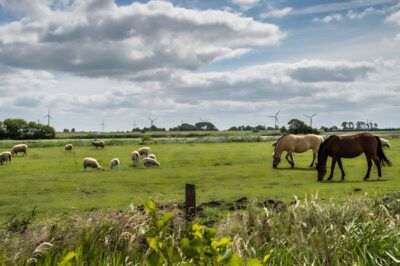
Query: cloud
[(394, 18), (329, 18), (99, 38), (351, 14), (226, 97), (277, 13), (340, 6), (246, 4)]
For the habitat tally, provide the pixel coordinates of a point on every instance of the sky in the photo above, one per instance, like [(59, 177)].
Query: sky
[(230, 62)]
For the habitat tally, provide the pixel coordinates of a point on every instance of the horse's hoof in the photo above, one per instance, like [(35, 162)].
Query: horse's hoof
[(365, 178)]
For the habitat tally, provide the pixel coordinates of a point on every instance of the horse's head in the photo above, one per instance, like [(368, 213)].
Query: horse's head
[(321, 168), (276, 159)]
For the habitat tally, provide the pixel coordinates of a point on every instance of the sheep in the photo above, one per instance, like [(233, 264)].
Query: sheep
[(148, 162), (98, 144), (385, 143), (5, 157), (135, 158), (68, 147), (114, 163), (92, 163), (19, 148), (152, 156), (144, 151)]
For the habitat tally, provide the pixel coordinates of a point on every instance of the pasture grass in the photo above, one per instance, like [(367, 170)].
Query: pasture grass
[(52, 179)]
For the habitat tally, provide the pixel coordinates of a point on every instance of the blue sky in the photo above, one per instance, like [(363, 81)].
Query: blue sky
[(231, 62)]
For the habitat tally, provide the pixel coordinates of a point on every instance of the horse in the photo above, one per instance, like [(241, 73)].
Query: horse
[(295, 143), (351, 146)]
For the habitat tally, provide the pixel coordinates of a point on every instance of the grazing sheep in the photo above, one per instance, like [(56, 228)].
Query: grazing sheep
[(114, 163), (135, 158), (148, 162), (19, 148), (91, 162), (144, 151), (68, 147), (152, 156), (385, 143), (5, 157), (98, 144)]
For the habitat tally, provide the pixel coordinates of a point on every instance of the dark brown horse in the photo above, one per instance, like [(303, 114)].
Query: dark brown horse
[(351, 146)]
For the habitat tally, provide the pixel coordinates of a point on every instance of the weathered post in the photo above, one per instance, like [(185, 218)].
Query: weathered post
[(190, 201)]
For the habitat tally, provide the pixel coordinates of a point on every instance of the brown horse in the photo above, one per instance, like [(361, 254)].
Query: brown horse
[(351, 146)]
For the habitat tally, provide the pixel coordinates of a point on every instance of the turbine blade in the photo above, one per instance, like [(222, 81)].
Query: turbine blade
[(278, 113)]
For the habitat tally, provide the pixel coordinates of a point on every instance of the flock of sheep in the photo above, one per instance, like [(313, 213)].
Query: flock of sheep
[(149, 159)]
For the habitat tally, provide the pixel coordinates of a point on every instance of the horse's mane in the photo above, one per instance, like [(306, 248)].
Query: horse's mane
[(277, 142), (323, 145)]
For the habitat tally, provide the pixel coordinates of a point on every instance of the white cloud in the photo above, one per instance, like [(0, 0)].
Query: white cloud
[(246, 4), (327, 87), (99, 38), (329, 18), (277, 13), (394, 18), (351, 14), (340, 6)]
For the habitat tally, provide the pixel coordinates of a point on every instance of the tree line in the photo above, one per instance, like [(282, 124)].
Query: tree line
[(22, 129)]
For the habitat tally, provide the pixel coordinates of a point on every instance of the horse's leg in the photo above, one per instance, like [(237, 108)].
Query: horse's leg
[(313, 159), (291, 157), (287, 158), (341, 167), (369, 167), (332, 167), (378, 165)]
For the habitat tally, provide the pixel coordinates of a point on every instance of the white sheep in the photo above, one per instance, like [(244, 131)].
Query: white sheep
[(148, 162), (152, 156), (5, 157), (114, 163), (385, 143), (144, 151), (91, 162), (68, 147), (135, 158), (19, 148)]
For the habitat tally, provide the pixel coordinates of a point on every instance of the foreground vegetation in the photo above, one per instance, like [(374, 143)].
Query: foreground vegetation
[(362, 231)]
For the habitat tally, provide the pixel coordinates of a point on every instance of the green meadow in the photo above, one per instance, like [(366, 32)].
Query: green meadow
[(53, 181)]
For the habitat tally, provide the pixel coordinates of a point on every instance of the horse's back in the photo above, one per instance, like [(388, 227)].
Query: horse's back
[(351, 146)]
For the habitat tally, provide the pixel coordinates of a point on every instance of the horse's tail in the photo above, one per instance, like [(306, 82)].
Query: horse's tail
[(9, 157), (381, 155)]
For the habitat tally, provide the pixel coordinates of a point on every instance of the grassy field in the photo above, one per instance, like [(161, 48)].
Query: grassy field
[(53, 180)]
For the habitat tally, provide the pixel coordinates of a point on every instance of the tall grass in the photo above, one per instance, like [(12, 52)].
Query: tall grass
[(363, 231)]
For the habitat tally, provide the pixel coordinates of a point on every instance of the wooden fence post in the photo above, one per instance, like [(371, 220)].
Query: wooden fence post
[(190, 201)]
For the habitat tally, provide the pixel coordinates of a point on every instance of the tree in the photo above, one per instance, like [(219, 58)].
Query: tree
[(66, 130), (350, 125), (205, 126), (344, 125), (297, 126), (72, 130), (21, 129)]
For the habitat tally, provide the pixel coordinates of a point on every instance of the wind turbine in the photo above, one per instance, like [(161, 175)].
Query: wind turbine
[(276, 118), (48, 116), (311, 117), (102, 125), (151, 121), (134, 124)]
